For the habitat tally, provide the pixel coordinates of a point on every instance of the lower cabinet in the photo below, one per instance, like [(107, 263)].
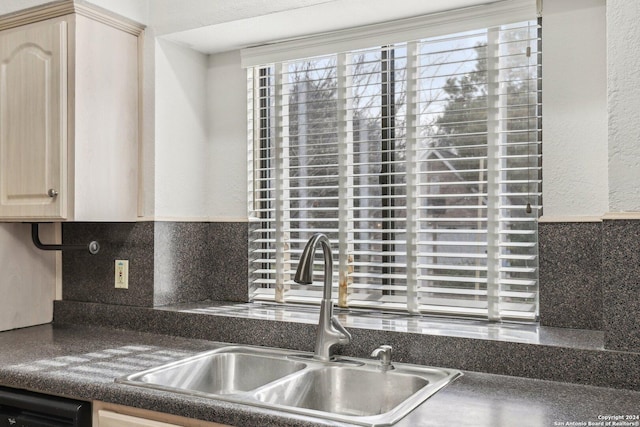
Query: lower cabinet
[(110, 415)]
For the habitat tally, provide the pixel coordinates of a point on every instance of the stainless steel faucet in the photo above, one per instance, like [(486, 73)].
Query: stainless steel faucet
[(330, 331)]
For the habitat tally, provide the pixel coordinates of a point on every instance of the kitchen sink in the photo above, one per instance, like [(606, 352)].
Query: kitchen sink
[(357, 391), (347, 391), (221, 373)]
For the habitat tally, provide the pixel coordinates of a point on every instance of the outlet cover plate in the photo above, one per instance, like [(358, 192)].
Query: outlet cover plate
[(122, 274)]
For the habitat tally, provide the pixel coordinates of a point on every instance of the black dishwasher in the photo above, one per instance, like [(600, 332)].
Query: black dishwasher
[(20, 408)]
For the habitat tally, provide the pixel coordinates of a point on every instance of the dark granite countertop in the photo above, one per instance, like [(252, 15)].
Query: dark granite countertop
[(81, 362)]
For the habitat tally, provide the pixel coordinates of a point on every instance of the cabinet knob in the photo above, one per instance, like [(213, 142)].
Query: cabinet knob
[(52, 192)]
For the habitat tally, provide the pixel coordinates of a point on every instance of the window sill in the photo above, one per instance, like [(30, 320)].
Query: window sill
[(425, 325)]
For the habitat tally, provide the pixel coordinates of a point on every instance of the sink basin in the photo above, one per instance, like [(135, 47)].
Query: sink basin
[(222, 373), (347, 390)]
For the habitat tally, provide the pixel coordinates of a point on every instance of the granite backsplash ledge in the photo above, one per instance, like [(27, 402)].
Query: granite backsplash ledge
[(169, 262), (621, 284), (590, 278), (576, 357), (90, 278), (571, 275)]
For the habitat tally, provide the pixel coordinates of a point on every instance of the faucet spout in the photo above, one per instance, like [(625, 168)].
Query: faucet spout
[(330, 331)]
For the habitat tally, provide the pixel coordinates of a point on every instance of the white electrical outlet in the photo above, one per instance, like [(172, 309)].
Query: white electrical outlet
[(122, 274)]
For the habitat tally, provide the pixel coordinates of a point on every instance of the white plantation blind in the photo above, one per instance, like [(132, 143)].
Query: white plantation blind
[(421, 162)]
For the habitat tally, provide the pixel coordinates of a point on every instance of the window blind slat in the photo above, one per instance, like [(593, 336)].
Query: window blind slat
[(418, 160)]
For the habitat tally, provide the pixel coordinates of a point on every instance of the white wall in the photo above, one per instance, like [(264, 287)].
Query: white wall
[(574, 87), (623, 50), (591, 89), (182, 155), (227, 115), (28, 280), (200, 135)]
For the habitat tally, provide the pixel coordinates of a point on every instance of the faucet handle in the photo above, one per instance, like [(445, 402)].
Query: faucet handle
[(384, 354)]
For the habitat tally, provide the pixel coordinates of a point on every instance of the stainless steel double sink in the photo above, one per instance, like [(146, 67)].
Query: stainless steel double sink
[(350, 390)]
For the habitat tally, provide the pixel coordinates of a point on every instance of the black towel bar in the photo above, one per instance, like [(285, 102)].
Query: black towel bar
[(93, 247)]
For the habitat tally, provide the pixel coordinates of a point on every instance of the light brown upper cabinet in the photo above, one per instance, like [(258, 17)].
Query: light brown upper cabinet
[(70, 114)]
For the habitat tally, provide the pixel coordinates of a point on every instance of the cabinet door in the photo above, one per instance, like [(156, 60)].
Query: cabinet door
[(33, 128), (113, 419), (112, 415)]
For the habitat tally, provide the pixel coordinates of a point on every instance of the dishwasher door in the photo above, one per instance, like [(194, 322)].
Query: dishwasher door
[(20, 408)]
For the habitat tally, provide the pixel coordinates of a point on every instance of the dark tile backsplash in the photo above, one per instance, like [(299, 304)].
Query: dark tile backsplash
[(589, 271), (621, 281), (571, 275), (169, 262), (229, 266), (90, 278), (182, 258), (590, 279)]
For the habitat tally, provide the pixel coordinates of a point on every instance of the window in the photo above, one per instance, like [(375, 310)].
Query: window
[(421, 162)]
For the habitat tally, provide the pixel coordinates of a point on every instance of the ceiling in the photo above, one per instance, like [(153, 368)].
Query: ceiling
[(212, 26)]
